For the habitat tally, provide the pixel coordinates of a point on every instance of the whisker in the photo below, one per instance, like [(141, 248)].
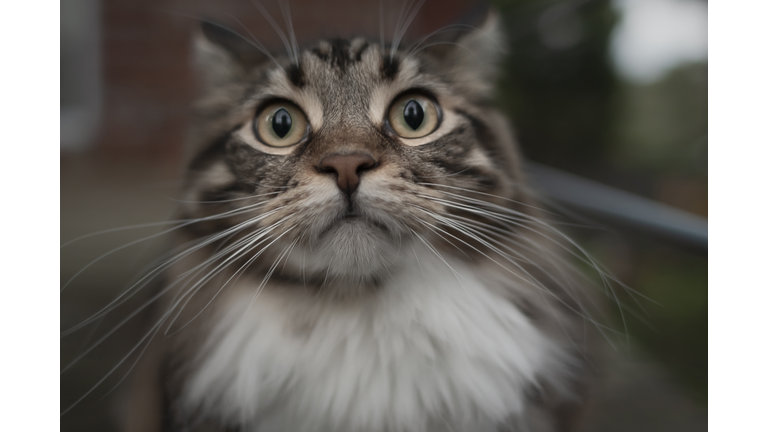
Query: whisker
[(278, 30), (537, 283), (523, 222), (219, 216), (434, 251), (285, 8), (401, 29), (148, 277), (111, 371), (255, 42), (271, 270), (488, 195), (228, 200), (433, 228), (133, 365), (415, 49), (541, 289), (124, 228), (381, 25), (156, 327), (168, 222), (518, 222), (445, 43), (234, 246), (120, 324), (489, 230), (436, 32), (583, 255), (400, 16), (472, 233), (561, 279), (235, 256)]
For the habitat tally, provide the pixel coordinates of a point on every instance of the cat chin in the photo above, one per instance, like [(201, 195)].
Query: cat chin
[(353, 249)]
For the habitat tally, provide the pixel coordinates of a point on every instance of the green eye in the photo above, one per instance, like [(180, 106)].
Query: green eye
[(280, 124), (413, 116)]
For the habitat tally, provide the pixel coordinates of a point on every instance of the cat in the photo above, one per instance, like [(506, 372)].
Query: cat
[(359, 251)]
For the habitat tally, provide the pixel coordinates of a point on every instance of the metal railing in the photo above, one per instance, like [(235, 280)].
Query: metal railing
[(618, 208)]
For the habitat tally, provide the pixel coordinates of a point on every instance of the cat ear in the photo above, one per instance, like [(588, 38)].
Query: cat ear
[(471, 60), (223, 55)]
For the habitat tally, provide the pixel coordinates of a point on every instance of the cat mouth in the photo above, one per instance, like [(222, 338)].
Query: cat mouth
[(353, 217)]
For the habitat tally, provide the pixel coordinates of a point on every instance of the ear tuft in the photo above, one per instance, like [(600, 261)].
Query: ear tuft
[(245, 51), (487, 41), (471, 62), (222, 54)]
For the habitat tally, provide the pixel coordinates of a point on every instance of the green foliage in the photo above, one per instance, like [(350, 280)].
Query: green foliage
[(662, 126), (678, 282)]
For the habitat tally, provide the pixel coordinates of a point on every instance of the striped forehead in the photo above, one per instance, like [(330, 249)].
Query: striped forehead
[(357, 59), (354, 81)]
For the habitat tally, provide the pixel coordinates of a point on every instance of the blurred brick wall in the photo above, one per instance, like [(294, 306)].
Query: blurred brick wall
[(148, 81)]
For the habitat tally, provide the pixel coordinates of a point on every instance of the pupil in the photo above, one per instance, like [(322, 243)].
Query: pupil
[(281, 123), (413, 114)]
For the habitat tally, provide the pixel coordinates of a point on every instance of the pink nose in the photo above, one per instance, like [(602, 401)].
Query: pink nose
[(347, 168)]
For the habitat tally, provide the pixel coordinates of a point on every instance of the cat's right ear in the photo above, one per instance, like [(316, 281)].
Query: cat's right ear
[(223, 55)]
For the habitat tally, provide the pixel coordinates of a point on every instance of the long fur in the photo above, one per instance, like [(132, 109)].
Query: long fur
[(434, 297)]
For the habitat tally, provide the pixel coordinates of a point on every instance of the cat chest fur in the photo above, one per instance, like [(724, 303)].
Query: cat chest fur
[(434, 347)]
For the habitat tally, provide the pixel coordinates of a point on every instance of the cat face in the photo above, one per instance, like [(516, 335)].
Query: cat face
[(348, 150)]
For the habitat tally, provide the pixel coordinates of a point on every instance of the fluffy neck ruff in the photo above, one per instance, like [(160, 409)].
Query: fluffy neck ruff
[(435, 347)]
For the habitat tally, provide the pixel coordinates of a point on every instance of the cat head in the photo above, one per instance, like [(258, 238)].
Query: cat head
[(349, 149)]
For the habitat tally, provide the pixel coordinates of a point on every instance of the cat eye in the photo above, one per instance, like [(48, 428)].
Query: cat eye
[(280, 124), (413, 116)]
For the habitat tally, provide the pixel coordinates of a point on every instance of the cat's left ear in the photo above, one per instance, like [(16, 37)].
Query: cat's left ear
[(222, 55), (471, 60)]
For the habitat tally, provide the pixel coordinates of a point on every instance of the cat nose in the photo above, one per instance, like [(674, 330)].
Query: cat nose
[(347, 168)]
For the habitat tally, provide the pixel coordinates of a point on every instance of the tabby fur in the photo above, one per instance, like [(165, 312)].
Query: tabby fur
[(432, 297)]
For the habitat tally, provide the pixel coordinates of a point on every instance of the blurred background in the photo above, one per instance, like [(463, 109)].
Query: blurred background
[(614, 92)]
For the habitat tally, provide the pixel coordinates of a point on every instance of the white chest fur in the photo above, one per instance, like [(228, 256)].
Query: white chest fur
[(431, 351)]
